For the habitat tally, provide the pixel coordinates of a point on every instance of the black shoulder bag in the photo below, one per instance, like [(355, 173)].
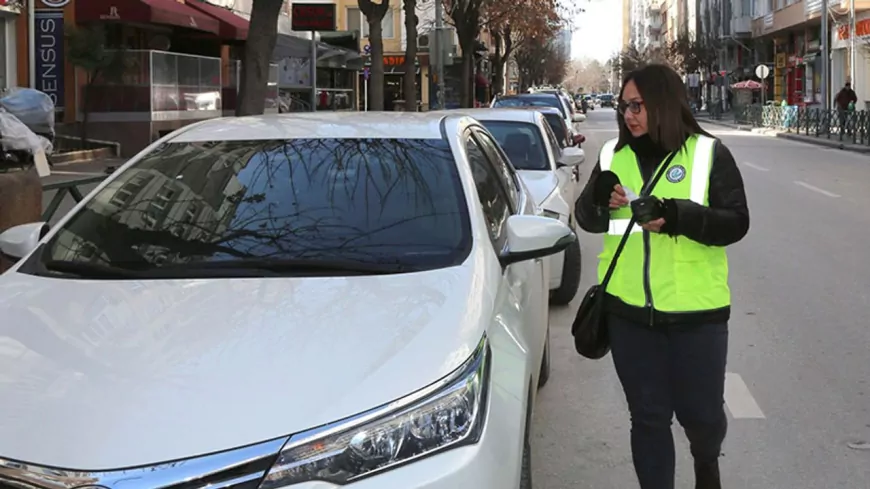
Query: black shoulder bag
[(591, 338)]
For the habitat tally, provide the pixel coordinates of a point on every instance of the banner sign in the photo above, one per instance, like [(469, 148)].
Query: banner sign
[(49, 55), (313, 17)]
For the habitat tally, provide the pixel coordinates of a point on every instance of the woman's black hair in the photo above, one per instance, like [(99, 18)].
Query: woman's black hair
[(669, 119)]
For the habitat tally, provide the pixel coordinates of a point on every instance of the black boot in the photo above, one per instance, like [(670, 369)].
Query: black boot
[(707, 475)]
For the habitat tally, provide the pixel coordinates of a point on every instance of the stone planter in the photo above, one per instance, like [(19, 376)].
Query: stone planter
[(20, 202)]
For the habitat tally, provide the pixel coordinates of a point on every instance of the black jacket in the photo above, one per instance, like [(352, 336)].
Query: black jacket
[(724, 222)]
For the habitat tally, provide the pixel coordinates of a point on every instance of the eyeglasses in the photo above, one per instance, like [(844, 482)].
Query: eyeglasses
[(634, 106)]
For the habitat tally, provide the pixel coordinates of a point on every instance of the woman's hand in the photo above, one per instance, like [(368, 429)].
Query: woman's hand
[(654, 226), (617, 197)]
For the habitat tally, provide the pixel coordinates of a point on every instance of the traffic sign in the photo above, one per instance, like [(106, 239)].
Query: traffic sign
[(366, 73), (367, 49), (762, 71)]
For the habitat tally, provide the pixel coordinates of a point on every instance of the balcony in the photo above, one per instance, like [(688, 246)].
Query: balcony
[(741, 26)]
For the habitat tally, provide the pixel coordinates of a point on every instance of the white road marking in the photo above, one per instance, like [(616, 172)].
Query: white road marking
[(739, 400), (755, 167), (816, 189)]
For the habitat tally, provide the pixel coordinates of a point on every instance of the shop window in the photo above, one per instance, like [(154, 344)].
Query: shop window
[(356, 21)]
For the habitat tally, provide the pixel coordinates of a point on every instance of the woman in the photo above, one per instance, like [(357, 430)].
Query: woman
[(668, 301)]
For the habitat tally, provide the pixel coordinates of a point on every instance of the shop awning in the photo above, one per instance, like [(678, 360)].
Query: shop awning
[(232, 26), (166, 12)]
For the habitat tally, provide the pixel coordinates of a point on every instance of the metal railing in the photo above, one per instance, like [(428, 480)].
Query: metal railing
[(64, 188), (841, 125)]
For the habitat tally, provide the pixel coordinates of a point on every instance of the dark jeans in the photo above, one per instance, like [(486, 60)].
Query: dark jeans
[(668, 371)]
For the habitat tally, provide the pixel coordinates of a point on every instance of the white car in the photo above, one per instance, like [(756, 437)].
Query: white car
[(548, 171), (306, 301), (541, 100)]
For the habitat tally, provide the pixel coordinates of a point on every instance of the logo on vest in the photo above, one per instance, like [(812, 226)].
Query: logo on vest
[(676, 174)]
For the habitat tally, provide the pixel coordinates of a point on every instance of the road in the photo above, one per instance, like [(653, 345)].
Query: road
[(798, 389)]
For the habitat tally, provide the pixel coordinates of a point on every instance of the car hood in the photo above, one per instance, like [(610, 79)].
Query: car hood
[(541, 183), (110, 374)]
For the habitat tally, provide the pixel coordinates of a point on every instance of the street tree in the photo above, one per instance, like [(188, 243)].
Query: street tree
[(512, 24), (409, 80), (588, 76), (540, 62), (262, 36), (374, 14), (466, 16)]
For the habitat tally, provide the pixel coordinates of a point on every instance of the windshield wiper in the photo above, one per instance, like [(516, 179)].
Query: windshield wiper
[(85, 269), (293, 265)]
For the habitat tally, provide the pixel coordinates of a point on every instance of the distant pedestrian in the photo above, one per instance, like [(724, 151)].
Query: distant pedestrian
[(845, 101), (668, 303)]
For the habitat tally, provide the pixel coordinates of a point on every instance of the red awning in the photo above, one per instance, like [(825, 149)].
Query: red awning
[(166, 12), (232, 26)]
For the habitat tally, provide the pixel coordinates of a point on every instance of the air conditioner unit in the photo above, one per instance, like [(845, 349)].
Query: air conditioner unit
[(423, 41)]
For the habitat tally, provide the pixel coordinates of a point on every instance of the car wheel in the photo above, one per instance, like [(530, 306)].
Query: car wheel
[(544, 375), (571, 269)]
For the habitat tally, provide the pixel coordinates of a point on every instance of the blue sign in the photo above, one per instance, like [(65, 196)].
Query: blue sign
[(366, 73), (367, 49), (49, 55)]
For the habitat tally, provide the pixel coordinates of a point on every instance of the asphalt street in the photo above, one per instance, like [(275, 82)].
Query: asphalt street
[(798, 388)]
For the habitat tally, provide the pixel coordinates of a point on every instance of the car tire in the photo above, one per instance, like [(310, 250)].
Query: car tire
[(571, 269), (544, 374)]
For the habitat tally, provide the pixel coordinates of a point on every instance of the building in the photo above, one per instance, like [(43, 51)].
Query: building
[(562, 43), (787, 36)]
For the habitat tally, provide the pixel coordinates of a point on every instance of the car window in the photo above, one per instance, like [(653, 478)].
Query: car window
[(522, 142), (490, 190), (555, 147), (532, 101), (499, 160), (557, 124), (362, 200)]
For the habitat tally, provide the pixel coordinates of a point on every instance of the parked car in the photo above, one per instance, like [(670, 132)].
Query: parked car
[(547, 169), (326, 299), (606, 100), (541, 100)]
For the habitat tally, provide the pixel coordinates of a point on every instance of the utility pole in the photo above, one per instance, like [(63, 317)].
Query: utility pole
[(852, 33), (826, 57), (440, 51)]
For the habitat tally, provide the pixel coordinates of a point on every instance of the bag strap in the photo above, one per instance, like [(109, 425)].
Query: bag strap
[(645, 192)]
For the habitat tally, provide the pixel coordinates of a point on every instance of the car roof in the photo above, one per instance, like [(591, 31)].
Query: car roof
[(519, 114), (317, 125)]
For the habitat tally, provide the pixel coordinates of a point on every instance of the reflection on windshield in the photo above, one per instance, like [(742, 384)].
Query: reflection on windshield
[(388, 201), (558, 127), (522, 142)]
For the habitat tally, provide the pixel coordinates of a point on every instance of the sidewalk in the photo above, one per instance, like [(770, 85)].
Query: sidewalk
[(818, 141)]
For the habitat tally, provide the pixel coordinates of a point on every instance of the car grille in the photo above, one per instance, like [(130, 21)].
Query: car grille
[(242, 468)]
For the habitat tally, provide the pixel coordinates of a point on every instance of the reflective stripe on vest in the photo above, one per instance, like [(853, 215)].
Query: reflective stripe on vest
[(682, 275), (700, 176)]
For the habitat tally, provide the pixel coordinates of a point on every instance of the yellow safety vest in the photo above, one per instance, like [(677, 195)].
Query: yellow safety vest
[(668, 274)]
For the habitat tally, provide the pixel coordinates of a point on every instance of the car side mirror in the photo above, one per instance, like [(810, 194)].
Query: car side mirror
[(571, 156), (530, 237), (18, 241), (578, 117)]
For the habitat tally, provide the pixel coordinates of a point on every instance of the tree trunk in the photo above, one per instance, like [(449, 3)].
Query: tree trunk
[(86, 111), (410, 78), (468, 80), (262, 35), (498, 62), (376, 82)]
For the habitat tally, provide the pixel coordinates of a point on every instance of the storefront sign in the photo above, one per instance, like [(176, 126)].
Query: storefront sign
[(394, 60), (49, 55), (313, 17), (862, 29)]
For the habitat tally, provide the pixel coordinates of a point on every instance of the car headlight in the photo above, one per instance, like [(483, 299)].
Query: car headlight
[(447, 414)]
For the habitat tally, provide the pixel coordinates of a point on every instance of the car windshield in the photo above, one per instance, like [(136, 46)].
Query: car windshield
[(532, 101), (558, 126), (522, 142), (200, 205)]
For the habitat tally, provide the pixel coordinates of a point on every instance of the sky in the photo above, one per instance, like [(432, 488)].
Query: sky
[(598, 32)]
